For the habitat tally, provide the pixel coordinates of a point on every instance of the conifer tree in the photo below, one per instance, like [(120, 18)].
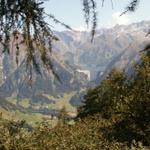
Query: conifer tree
[(23, 20)]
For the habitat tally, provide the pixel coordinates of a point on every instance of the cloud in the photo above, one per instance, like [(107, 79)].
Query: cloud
[(121, 20)]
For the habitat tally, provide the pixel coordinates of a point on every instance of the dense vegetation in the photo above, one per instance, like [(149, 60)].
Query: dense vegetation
[(115, 115)]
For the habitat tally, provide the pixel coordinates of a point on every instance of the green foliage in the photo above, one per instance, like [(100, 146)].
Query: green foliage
[(91, 133), (84, 135), (108, 98), (126, 98), (139, 108), (116, 113), (22, 23), (116, 117), (13, 135)]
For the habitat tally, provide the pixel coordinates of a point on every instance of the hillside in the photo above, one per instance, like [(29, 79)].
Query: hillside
[(75, 60), (121, 43)]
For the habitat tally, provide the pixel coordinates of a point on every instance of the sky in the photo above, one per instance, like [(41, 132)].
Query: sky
[(70, 12)]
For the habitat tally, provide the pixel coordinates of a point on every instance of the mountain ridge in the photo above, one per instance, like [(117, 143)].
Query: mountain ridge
[(76, 60), (76, 48)]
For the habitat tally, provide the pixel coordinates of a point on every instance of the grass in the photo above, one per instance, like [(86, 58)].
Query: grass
[(33, 118), (24, 103), (62, 101), (12, 100)]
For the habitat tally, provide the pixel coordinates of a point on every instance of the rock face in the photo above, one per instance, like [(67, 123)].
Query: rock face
[(120, 43), (16, 82), (76, 60)]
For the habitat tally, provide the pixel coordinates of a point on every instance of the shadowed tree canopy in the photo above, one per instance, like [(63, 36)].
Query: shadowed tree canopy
[(26, 18)]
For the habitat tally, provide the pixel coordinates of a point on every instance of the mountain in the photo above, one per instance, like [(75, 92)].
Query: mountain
[(121, 43), (45, 92), (78, 63), (16, 81)]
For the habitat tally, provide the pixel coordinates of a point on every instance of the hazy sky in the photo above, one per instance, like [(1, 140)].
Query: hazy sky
[(70, 12)]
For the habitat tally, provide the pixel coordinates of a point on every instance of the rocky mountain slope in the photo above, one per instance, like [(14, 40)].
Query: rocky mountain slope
[(121, 43), (74, 57), (16, 81)]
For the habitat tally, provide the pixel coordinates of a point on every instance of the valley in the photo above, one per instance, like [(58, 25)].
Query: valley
[(79, 65)]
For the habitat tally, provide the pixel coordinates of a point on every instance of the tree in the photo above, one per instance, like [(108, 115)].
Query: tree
[(108, 98), (125, 100), (24, 19), (139, 107)]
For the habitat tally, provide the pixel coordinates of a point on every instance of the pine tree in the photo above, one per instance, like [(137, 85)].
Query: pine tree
[(24, 19)]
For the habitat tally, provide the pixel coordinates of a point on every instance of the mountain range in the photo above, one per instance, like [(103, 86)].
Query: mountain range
[(117, 47), (77, 61)]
